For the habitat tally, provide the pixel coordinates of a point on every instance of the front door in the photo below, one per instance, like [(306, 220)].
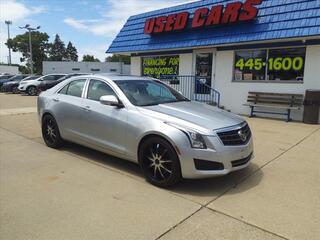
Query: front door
[(103, 125), (204, 72)]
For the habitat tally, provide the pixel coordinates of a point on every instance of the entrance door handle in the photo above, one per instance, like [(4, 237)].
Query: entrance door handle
[(86, 108), (56, 99)]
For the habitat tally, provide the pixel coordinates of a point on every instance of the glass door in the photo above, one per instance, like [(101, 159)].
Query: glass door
[(203, 73)]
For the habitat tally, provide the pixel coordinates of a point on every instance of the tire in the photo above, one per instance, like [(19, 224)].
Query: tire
[(50, 132), (15, 90), (159, 162), (32, 91)]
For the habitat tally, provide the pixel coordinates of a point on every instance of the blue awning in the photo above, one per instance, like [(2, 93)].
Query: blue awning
[(277, 19)]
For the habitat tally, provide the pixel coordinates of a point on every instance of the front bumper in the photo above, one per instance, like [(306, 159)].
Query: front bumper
[(22, 88), (232, 158)]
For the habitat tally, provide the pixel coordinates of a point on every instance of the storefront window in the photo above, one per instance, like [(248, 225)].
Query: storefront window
[(250, 65), (286, 64), (203, 73), (160, 67)]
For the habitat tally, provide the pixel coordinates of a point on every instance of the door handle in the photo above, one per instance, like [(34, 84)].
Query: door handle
[(86, 108), (56, 99)]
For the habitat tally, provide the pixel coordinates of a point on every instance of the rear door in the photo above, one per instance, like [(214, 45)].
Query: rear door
[(68, 109), (103, 125)]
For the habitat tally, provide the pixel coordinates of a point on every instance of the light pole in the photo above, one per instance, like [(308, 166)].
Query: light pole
[(8, 25), (30, 29)]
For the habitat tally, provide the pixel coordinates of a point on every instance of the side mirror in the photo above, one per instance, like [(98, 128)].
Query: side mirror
[(111, 101)]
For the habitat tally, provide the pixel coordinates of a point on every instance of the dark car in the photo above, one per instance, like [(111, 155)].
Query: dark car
[(13, 78), (45, 85), (12, 86), (5, 76)]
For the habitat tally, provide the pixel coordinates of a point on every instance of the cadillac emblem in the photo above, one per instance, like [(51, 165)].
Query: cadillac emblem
[(242, 135)]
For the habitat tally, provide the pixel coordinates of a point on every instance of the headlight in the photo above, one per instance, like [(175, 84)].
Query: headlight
[(196, 139)]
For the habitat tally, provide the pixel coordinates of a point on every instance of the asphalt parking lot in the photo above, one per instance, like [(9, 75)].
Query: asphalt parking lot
[(78, 193)]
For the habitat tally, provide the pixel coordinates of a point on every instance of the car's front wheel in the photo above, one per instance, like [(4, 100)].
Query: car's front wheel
[(159, 162), (32, 91), (15, 90), (50, 132)]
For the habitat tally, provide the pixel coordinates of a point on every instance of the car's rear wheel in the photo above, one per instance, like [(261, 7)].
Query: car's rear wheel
[(50, 132), (159, 162), (32, 91)]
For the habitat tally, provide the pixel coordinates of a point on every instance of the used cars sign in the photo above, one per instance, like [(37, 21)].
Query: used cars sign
[(217, 15)]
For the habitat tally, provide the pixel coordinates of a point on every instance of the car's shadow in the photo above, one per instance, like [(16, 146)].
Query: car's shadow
[(211, 187)]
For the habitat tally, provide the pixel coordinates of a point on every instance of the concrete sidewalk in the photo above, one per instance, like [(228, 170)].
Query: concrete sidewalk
[(78, 193)]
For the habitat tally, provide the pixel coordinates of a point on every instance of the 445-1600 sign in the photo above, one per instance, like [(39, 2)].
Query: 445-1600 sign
[(274, 64)]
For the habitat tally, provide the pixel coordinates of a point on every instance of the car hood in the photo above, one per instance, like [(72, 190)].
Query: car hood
[(198, 116)]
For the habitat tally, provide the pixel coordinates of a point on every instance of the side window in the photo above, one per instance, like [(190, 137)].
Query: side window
[(48, 78), (75, 88), (97, 89), (64, 89)]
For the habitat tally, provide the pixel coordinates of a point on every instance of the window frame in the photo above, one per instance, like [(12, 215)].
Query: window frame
[(266, 72)]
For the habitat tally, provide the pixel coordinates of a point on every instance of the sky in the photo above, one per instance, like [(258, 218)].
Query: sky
[(90, 25)]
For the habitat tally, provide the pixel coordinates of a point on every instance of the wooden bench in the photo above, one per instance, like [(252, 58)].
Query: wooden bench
[(281, 101)]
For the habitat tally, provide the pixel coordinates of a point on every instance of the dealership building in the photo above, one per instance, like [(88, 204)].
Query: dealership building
[(233, 46)]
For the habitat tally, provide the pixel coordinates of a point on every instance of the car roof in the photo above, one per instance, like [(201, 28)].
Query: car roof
[(118, 77)]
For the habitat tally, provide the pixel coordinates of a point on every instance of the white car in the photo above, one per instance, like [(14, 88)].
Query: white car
[(31, 86)]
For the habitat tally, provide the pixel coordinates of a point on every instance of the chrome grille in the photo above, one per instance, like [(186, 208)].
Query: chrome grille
[(238, 136)]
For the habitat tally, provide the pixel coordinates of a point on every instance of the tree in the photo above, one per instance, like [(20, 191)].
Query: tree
[(71, 53), (58, 50), (23, 69), (119, 58), (89, 58), (40, 48)]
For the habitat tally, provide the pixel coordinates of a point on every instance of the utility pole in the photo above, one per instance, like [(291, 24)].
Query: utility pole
[(30, 29), (8, 25)]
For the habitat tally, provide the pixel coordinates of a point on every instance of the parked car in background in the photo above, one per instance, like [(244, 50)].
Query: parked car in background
[(12, 86), (44, 85), (13, 78), (31, 86), (147, 122), (5, 75)]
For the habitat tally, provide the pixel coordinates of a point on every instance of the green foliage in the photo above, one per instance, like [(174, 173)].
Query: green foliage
[(71, 53), (119, 58), (58, 50), (24, 69), (89, 58), (40, 48)]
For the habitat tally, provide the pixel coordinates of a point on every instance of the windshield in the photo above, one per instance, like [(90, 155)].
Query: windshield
[(147, 92)]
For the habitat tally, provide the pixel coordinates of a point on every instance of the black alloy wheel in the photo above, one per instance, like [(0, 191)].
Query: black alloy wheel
[(50, 132), (32, 91), (159, 162)]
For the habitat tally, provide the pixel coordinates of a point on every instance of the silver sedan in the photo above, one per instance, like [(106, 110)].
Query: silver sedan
[(146, 121)]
